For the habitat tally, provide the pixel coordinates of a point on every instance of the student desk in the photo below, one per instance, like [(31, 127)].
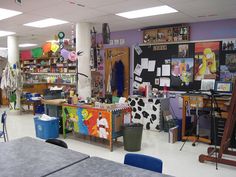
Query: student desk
[(28, 157), (221, 103), (99, 167)]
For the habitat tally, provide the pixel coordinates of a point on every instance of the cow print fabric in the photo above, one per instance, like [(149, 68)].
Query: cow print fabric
[(146, 111)]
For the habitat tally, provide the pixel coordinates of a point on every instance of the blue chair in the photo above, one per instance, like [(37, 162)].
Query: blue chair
[(144, 161), (3, 132)]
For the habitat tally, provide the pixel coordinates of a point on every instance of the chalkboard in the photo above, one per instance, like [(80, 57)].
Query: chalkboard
[(180, 57)]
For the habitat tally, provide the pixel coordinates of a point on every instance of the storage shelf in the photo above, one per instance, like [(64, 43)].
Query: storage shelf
[(47, 73)]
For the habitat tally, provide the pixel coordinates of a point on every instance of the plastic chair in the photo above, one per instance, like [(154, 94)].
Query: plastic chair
[(57, 142), (144, 161), (4, 128)]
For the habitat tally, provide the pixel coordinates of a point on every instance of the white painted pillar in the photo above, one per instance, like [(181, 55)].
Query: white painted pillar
[(13, 50), (13, 58), (83, 43)]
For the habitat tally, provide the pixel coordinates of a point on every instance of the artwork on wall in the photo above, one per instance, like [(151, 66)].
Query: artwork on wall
[(181, 71), (228, 70), (174, 33), (183, 50), (206, 60), (229, 44), (96, 83)]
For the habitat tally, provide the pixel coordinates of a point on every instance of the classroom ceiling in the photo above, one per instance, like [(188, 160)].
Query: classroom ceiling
[(97, 12)]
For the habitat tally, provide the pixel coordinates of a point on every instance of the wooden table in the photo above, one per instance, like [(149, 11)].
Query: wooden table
[(28, 157), (99, 167), (32, 103), (221, 103)]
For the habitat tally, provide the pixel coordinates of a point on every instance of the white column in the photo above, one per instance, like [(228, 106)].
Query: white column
[(13, 51), (13, 58), (83, 43)]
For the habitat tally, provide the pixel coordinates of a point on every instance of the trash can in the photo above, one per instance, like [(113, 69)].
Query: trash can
[(132, 136), (46, 129)]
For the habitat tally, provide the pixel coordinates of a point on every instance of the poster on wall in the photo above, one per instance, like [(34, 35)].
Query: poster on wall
[(181, 71), (183, 50), (206, 60), (229, 44), (96, 83), (228, 71)]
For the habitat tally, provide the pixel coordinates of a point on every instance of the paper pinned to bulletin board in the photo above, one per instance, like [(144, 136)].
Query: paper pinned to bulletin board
[(151, 65), (138, 70), (144, 63), (166, 70), (165, 81)]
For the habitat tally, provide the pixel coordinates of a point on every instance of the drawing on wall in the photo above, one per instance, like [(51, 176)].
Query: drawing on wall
[(229, 44), (228, 71), (181, 71), (206, 60), (183, 51)]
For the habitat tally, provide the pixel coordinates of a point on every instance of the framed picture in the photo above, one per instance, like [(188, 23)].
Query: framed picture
[(223, 86), (207, 84)]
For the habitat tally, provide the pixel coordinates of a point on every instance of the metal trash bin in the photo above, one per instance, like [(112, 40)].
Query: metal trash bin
[(132, 136)]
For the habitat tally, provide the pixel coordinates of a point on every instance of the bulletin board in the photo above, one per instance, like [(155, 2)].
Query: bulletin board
[(181, 67), (228, 61)]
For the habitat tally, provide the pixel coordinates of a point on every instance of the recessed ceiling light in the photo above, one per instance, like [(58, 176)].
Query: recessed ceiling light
[(6, 13), (159, 10), (6, 33), (27, 45), (46, 23)]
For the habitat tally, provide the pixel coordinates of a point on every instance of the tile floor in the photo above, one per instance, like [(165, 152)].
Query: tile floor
[(177, 163)]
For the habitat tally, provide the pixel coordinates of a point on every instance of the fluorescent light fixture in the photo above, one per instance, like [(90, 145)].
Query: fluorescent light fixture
[(27, 45), (53, 41), (159, 10), (46, 23), (3, 48), (56, 41), (6, 33), (6, 13)]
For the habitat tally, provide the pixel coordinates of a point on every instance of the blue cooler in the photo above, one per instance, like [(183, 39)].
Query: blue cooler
[(46, 129)]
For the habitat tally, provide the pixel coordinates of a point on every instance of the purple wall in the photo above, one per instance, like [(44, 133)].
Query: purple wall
[(219, 29)]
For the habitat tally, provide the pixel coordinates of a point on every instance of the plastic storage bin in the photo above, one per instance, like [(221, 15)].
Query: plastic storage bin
[(46, 129)]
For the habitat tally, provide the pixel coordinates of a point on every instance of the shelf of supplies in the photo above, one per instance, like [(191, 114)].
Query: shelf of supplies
[(47, 73)]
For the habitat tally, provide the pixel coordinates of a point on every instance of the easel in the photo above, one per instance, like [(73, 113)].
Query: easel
[(225, 142)]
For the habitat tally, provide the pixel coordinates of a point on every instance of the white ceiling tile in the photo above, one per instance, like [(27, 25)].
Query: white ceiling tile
[(129, 5)]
